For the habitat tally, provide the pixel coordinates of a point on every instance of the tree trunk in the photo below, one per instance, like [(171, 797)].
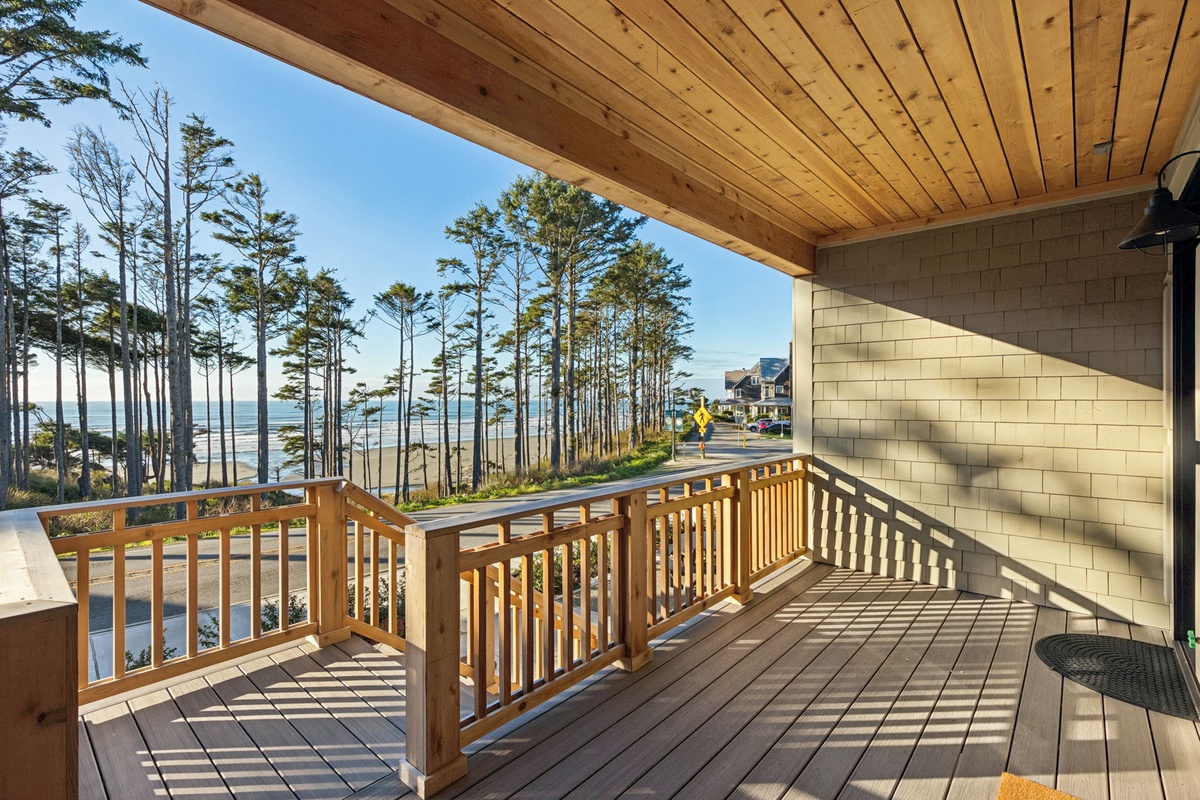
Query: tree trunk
[(477, 439), (555, 379), (261, 374)]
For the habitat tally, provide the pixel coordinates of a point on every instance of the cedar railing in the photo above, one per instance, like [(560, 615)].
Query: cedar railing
[(573, 584), (567, 586), (328, 528)]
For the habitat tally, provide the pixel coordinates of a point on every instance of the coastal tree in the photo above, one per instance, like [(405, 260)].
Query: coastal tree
[(18, 171), (52, 219), (266, 241), (479, 231), (46, 59), (402, 306), (103, 180)]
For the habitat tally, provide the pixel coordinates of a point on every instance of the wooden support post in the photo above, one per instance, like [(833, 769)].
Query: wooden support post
[(802, 513), (741, 536), (632, 562), (329, 595), (432, 756)]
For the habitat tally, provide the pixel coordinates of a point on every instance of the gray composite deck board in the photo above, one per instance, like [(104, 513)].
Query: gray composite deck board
[(759, 758), (673, 753), (247, 773), (293, 757), (989, 738), (1133, 773), (379, 735), (686, 706), (1174, 739), (91, 785), (829, 683), (120, 754), (1083, 748), (184, 765), (880, 768), (1033, 754)]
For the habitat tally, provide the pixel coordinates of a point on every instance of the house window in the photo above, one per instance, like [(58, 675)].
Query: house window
[(755, 380)]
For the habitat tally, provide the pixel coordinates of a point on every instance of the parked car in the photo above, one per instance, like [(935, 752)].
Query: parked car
[(758, 424), (781, 428)]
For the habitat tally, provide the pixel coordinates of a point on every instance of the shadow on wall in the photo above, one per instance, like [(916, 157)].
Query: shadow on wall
[(1052, 284), (855, 525)]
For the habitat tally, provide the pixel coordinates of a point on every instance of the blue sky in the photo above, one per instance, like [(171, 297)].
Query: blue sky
[(373, 188)]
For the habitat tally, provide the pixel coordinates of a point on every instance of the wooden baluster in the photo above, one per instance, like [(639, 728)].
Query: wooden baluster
[(603, 582), (488, 620), (193, 595), (508, 649), (432, 757), (477, 642), (193, 584), (225, 616), (585, 589), (358, 571), (528, 649), (566, 638), (284, 562), (741, 534), (393, 590), (118, 598), (373, 535), (687, 590), (632, 560), (83, 590), (547, 630), (156, 603), (804, 524), (256, 574)]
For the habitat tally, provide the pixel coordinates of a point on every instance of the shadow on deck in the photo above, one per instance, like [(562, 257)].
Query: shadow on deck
[(831, 683)]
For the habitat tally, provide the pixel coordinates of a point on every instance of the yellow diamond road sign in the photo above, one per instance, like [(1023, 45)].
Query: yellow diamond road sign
[(702, 417)]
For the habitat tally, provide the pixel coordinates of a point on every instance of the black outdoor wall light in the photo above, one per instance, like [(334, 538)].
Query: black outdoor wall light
[(1166, 220)]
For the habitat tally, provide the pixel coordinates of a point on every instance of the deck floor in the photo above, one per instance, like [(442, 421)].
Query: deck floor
[(833, 684)]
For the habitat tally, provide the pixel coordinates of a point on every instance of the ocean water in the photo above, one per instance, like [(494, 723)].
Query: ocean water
[(244, 434)]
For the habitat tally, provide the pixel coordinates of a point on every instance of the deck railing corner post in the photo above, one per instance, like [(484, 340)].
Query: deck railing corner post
[(632, 562), (433, 756), (330, 594)]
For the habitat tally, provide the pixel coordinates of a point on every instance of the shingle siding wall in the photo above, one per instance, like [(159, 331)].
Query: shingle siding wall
[(987, 410)]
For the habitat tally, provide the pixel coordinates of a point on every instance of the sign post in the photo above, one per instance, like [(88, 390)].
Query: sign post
[(702, 417)]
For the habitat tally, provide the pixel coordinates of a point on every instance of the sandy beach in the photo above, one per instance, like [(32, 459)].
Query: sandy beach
[(356, 471)]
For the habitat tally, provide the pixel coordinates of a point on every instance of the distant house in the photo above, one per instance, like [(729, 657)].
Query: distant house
[(765, 388)]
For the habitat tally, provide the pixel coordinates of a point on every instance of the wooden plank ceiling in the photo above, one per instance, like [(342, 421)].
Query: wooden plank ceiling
[(771, 127)]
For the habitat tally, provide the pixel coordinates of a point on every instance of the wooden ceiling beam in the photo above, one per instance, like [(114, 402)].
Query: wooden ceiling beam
[(371, 48), (1004, 208)]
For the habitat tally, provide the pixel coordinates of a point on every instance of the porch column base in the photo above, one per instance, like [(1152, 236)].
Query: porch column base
[(329, 637), (427, 785), (743, 597), (634, 663)]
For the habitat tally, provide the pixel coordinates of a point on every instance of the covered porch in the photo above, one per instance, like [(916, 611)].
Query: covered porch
[(995, 409), (830, 683)]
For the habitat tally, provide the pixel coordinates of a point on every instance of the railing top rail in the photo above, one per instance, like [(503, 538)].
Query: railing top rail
[(447, 526), (46, 512), (29, 570)]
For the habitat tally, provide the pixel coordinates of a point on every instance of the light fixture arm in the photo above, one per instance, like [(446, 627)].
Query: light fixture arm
[(1163, 170)]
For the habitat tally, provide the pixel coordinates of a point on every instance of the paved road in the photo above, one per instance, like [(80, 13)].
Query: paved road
[(724, 444)]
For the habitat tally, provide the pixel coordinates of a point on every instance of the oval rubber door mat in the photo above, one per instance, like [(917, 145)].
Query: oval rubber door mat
[(1145, 675)]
